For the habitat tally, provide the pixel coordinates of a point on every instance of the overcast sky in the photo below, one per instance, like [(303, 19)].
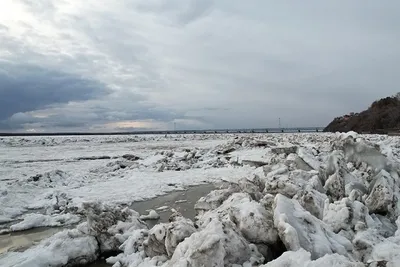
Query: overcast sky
[(115, 65)]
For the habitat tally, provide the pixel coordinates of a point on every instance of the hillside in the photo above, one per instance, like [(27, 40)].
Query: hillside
[(381, 117)]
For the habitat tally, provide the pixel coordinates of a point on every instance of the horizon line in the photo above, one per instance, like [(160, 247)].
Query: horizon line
[(187, 131)]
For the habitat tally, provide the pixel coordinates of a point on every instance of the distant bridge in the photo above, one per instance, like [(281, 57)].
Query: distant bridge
[(219, 131)]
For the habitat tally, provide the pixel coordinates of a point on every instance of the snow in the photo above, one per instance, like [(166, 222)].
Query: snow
[(387, 251), (382, 195), (213, 200), (40, 220), (215, 245), (162, 208), (153, 215), (312, 200), (111, 225), (302, 258), (285, 200), (152, 160), (297, 229), (42, 168), (308, 158), (164, 238), (137, 186), (106, 229), (70, 246)]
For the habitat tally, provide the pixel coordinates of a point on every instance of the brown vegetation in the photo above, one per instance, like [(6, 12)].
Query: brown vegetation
[(382, 116)]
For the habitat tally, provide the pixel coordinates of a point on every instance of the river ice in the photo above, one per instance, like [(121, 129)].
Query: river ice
[(285, 199)]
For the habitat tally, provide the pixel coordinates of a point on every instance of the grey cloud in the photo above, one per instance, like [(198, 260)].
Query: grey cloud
[(210, 109), (181, 12), (195, 10), (133, 129), (8, 127), (71, 119), (27, 88), (88, 115), (41, 7), (3, 28)]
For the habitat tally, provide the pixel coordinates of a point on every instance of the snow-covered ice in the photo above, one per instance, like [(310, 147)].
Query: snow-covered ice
[(67, 247), (56, 174), (285, 199), (153, 215), (297, 229), (39, 220), (162, 208)]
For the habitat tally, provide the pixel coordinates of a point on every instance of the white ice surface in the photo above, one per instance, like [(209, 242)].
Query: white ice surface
[(33, 169), (299, 229), (40, 220), (153, 215), (62, 248), (45, 178), (143, 185), (302, 258)]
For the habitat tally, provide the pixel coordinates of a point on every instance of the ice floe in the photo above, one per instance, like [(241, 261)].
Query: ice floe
[(287, 200)]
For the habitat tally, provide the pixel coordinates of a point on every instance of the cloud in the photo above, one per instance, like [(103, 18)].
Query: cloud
[(27, 88), (109, 113), (216, 64)]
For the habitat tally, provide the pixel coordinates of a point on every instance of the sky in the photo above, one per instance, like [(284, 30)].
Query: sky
[(126, 65)]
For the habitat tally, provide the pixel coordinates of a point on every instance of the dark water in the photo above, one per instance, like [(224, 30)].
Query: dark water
[(182, 201), (172, 200), (22, 240), (99, 263)]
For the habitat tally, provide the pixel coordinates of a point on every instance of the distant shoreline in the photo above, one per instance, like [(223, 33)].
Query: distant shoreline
[(220, 131)]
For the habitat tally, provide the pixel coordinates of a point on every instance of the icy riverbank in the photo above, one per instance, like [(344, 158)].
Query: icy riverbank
[(288, 200), (53, 181)]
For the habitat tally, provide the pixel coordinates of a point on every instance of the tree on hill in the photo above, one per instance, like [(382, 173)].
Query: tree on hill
[(382, 115)]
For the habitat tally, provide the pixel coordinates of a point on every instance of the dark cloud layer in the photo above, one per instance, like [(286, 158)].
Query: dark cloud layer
[(27, 88)]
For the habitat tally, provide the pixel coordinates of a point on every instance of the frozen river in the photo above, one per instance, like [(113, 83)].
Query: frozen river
[(45, 183)]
